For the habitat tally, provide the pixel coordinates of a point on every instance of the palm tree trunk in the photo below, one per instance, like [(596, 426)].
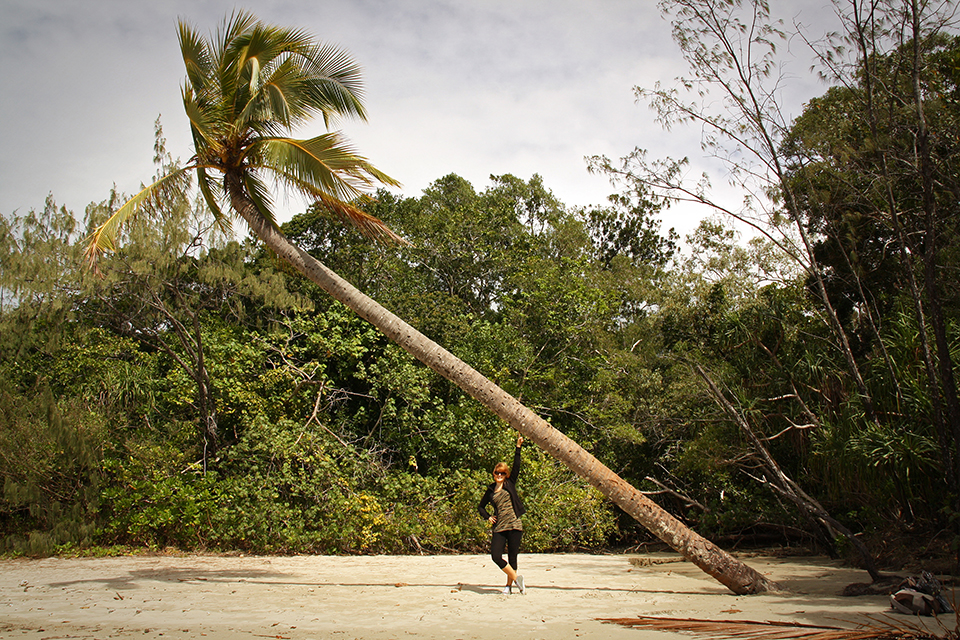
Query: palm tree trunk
[(736, 576)]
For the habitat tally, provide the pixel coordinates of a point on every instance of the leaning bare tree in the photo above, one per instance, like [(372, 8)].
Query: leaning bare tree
[(731, 49)]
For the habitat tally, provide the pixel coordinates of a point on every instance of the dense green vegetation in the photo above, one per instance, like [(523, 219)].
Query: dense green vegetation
[(199, 395)]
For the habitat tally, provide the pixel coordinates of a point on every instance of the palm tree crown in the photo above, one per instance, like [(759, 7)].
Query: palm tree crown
[(248, 87)]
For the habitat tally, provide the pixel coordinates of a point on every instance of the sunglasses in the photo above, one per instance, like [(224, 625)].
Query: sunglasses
[(499, 473)]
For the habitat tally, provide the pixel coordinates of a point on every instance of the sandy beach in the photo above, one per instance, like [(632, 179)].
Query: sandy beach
[(303, 597)]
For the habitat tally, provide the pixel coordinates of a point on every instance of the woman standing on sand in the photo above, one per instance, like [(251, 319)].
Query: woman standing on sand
[(507, 510)]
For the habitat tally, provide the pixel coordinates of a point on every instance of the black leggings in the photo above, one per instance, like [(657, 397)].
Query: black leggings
[(510, 539)]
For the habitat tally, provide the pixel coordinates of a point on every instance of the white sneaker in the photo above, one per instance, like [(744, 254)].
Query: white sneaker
[(519, 583), (507, 591)]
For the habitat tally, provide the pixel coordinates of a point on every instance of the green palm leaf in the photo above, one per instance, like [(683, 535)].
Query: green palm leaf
[(200, 121), (105, 236), (196, 56), (258, 192), (247, 87), (325, 163), (212, 195)]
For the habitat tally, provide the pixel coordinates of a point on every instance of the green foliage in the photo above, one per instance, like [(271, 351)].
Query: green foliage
[(313, 494), (155, 507), (564, 513), (51, 455)]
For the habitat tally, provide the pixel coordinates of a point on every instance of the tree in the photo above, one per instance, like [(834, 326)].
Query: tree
[(874, 165), (731, 49), (175, 276), (38, 274), (252, 81)]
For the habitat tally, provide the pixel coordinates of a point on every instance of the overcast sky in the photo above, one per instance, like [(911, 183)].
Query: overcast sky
[(473, 87)]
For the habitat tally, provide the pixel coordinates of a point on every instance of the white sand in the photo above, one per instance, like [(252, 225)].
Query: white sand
[(400, 597)]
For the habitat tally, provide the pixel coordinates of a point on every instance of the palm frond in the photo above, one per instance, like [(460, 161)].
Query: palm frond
[(260, 196), (334, 86), (233, 28), (284, 75), (325, 163), (276, 99), (276, 93), (212, 194), (229, 52), (200, 121), (370, 226), (254, 83), (750, 630), (196, 55), (104, 237)]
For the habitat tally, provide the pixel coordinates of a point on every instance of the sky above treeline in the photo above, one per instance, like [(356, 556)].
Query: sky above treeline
[(474, 87)]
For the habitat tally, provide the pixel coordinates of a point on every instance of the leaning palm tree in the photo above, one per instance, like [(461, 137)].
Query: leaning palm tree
[(247, 87)]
